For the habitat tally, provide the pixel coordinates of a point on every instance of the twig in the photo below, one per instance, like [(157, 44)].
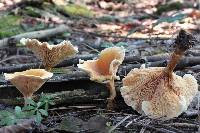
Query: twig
[(144, 127), (119, 123), (34, 34), (88, 46), (14, 57), (184, 125), (150, 127)]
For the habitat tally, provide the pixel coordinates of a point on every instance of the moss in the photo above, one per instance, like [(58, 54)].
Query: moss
[(33, 12), (58, 70), (169, 7), (10, 25), (75, 10)]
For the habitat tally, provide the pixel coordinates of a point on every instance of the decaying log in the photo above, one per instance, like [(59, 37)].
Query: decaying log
[(185, 62), (64, 97), (34, 34), (68, 93)]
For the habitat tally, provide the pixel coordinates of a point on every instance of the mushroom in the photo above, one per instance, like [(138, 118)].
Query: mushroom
[(51, 55), (159, 92), (29, 81), (104, 69)]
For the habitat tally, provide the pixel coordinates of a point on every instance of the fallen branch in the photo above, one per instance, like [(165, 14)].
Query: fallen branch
[(157, 61), (67, 97), (194, 68), (15, 57), (184, 125), (34, 34), (128, 59), (185, 62)]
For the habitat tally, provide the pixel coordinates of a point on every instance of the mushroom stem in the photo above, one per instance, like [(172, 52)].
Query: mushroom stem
[(48, 69), (175, 58), (183, 42), (26, 100), (111, 87)]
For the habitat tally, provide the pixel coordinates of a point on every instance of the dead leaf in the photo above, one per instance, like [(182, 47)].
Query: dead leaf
[(195, 14)]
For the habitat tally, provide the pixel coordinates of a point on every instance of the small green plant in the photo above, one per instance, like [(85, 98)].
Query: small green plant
[(10, 118), (37, 110)]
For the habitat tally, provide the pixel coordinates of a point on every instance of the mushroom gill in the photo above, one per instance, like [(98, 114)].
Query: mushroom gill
[(158, 92), (51, 55), (29, 81), (104, 69)]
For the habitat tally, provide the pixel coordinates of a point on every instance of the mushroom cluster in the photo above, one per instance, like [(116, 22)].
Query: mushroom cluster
[(155, 91), (29, 81), (158, 92)]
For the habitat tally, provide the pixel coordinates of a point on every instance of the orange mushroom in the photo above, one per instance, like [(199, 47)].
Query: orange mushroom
[(158, 92), (104, 69), (29, 81), (51, 55)]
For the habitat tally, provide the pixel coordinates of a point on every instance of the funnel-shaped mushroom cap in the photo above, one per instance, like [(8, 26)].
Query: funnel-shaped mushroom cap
[(29, 81), (105, 67), (51, 55), (151, 91)]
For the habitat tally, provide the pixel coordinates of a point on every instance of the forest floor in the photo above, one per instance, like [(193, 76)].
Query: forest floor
[(145, 28)]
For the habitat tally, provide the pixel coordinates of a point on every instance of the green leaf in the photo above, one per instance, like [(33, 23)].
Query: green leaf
[(10, 120), (51, 102), (120, 44), (107, 45), (4, 113), (66, 34), (30, 102), (18, 109), (39, 104), (38, 118), (46, 106), (27, 108), (43, 112), (30, 113)]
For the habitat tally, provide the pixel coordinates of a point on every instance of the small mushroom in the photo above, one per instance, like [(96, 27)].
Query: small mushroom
[(104, 69), (158, 92), (51, 55), (29, 81)]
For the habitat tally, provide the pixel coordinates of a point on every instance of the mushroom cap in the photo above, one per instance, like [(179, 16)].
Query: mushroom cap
[(105, 67), (29, 81), (51, 55), (154, 93)]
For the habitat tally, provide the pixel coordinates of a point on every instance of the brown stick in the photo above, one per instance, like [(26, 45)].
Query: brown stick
[(183, 42), (187, 61), (35, 34), (184, 125)]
